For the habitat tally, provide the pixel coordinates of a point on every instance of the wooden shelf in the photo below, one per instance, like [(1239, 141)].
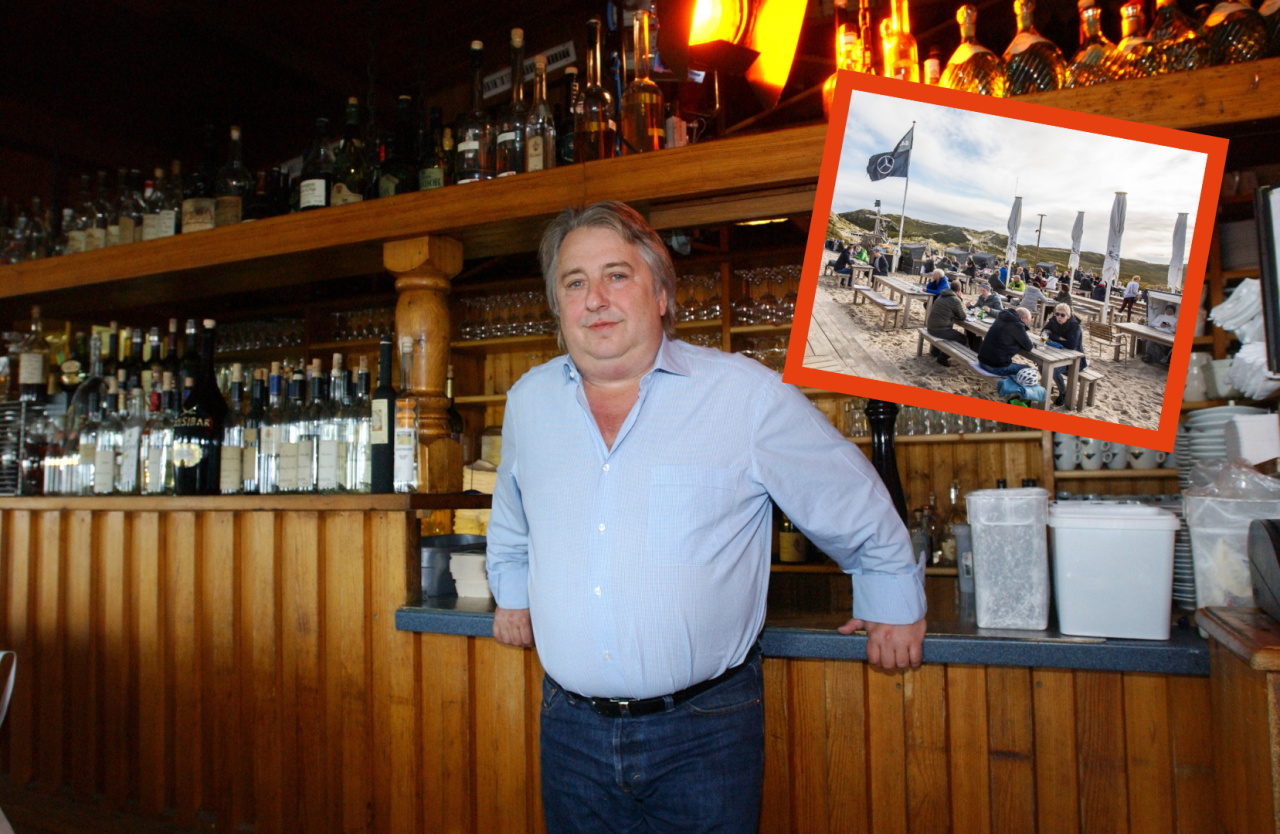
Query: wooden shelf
[(480, 399), (739, 329), (710, 324), (504, 344), (1112, 474), (1240, 274), (352, 344), (976, 437), (832, 568)]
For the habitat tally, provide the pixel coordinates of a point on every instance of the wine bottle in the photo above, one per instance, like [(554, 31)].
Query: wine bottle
[(359, 467), (252, 423), (234, 186), (271, 436), (197, 432), (33, 362), (642, 110), (382, 411), (473, 159), (407, 472), (200, 204), (315, 184), (397, 174), (565, 126), (510, 147), (434, 166), (350, 167), (595, 130), (231, 467)]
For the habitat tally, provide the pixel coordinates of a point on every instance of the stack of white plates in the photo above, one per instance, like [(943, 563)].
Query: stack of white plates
[(469, 574), (1184, 579), (1202, 438)]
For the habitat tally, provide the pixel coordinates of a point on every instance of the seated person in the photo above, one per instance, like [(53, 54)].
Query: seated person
[(1051, 283), (1016, 282), (1157, 353), (1007, 336), (1064, 294), (998, 279), (987, 300), (1023, 386), (842, 268), (971, 269), (946, 309), (1031, 299), (1064, 330), (1099, 291), (937, 283), (861, 254), (879, 263)]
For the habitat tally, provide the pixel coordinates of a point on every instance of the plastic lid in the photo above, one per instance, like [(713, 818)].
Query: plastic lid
[(1111, 516)]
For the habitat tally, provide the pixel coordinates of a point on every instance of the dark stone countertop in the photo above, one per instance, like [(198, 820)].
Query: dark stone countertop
[(796, 635)]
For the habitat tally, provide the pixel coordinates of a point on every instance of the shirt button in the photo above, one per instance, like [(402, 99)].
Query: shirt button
[(601, 528), (597, 591), (606, 467), (607, 656)]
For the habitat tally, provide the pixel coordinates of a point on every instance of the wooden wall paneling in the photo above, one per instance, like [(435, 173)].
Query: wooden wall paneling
[(991, 464), (775, 804), (1149, 760), (304, 734), (847, 746), (50, 652), (1242, 755), (1057, 786), (942, 466), (22, 706), (1191, 743), (965, 466), (448, 767), (81, 729), (152, 730), (220, 713), (532, 731), (807, 718), (115, 655), (925, 710), (182, 568), (1015, 463), (968, 739), (1011, 746), (392, 555), (1104, 795), (263, 714), (500, 738), (886, 752)]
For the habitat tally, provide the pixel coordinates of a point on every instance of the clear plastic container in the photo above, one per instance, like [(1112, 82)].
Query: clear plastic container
[(1010, 557)]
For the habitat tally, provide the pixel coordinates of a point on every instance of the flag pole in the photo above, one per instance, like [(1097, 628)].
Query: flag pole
[(902, 224)]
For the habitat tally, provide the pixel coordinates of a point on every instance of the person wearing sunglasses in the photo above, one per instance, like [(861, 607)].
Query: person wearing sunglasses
[(1064, 331)]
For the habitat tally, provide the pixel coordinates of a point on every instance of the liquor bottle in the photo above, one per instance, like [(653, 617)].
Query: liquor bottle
[(331, 435), (405, 440), (956, 516), (33, 362), (791, 543), (129, 209), (350, 168), (291, 444), (397, 174), (1134, 56), (172, 202), (540, 131), (381, 413), (1033, 63), (251, 425), (359, 467), (453, 416), (972, 67), (271, 436), (642, 109), (197, 431), (594, 131), (191, 354), (169, 361), (107, 447), (111, 361), (98, 214), (933, 67), (233, 186), (153, 197), (231, 465), (1236, 33), (306, 428), (122, 196), (565, 126), (903, 62), (75, 369), (434, 166), (1092, 61), (509, 149), (1177, 38), (83, 218), (473, 160), (153, 368), (1270, 11), (134, 365), (62, 244), (129, 473), (315, 183), (157, 468), (199, 204)]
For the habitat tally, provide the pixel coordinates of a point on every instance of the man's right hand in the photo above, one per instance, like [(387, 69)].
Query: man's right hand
[(512, 627)]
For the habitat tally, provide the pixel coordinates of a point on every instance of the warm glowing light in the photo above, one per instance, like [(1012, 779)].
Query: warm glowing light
[(762, 222), (775, 33), (715, 20)]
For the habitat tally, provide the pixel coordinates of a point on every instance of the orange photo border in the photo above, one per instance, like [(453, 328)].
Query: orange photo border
[(1161, 438)]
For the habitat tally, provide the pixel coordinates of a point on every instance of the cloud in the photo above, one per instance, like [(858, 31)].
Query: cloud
[(965, 168)]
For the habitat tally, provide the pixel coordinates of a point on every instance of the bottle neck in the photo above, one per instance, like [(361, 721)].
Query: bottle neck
[(384, 365), (477, 82), (641, 36), (539, 87), (517, 75)]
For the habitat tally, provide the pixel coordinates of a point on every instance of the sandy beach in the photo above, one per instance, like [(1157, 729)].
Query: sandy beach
[(1129, 393)]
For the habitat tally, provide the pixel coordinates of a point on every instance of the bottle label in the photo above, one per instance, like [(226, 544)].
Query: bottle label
[(126, 232), (388, 185), (229, 476), (150, 226), (167, 223), (533, 154), (379, 424), (95, 239), (104, 470), (75, 241), (226, 212), (186, 454), (405, 457), (113, 234), (791, 547), (199, 214), (306, 465), (31, 369), (343, 195), (129, 459), (430, 178), (491, 448), (328, 456), (504, 138), (311, 194), (249, 457), (287, 468), (464, 147), (154, 479)]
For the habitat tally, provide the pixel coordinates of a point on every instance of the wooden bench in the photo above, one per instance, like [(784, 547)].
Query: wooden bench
[(891, 308), (955, 350), (1086, 380)]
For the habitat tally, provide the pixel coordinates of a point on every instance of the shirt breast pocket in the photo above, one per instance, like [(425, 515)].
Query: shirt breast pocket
[(689, 508)]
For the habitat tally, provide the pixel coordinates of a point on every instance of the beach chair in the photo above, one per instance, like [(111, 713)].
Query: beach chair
[(1105, 335)]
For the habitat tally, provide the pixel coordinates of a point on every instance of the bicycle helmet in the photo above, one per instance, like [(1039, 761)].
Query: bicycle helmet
[(1027, 377)]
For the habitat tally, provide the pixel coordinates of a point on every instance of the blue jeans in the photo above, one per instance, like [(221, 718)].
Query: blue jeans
[(697, 767), (1007, 370)]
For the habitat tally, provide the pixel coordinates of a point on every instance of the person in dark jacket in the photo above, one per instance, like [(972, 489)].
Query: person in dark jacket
[(842, 268), (998, 279), (1007, 336), (988, 300), (1064, 330), (1064, 294), (879, 263), (946, 309), (937, 283)]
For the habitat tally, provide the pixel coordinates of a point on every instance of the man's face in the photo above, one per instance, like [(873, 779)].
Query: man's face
[(610, 315)]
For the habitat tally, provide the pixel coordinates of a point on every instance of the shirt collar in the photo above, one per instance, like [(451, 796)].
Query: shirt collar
[(670, 359)]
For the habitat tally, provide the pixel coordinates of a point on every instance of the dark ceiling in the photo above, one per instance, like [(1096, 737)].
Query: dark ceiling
[(130, 82)]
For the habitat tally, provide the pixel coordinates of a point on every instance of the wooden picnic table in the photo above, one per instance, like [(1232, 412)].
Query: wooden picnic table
[(1047, 358), (904, 292), (1142, 331)]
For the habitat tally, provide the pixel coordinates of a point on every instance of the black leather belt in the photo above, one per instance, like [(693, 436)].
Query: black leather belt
[(635, 708)]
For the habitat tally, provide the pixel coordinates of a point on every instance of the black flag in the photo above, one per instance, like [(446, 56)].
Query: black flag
[(894, 163)]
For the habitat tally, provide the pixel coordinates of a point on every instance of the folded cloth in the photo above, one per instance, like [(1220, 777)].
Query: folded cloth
[(974, 365), (1008, 387)]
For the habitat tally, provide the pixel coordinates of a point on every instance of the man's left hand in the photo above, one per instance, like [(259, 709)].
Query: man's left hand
[(890, 646)]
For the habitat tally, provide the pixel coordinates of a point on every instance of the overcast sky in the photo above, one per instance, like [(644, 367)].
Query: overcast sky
[(964, 167)]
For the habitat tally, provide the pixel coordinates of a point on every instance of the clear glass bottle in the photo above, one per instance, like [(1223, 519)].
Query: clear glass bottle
[(157, 469), (405, 441), (122, 196), (1135, 56), (332, 433), (294, 409), (109, 437), (170, 212), (231, 466), (1033, 63), (97, 215), (252, 425), (359, 452), (83, 218), (594, 131), (540, 132), (271, 436), (398, 173), (152, 201), (1236, 33), (129, 475), (1270, 11), (382, 425), (132, 209), (904, 61), (197, 432), (234, 186), (90, 433), (473, 158), (315, 183), (1091, 61), (509, 147), (972, 67), (642, 110), (33, 362), (1178, 38), (435, 166), (350, 166)]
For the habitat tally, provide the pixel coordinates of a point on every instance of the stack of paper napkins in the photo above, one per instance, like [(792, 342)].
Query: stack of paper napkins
[(480, 476), (1253, 437)]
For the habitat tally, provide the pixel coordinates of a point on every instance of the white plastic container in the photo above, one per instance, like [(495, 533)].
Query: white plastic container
[(1113, 569), (1010, 557)]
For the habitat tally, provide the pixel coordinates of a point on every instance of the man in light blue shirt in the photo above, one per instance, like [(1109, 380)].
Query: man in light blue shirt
[(630, 540)]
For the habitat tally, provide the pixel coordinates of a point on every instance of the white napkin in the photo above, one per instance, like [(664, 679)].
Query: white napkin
[(1253, 437)]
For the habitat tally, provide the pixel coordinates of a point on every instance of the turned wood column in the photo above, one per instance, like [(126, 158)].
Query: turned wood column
[(423, 268)]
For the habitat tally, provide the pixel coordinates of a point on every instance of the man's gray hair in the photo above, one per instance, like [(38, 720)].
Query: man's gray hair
[(1022, 313), (938, 274), (632, 228), (1062, 308)]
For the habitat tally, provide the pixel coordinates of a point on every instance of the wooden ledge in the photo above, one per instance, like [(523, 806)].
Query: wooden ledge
[(254, 503), (1249, 633)]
